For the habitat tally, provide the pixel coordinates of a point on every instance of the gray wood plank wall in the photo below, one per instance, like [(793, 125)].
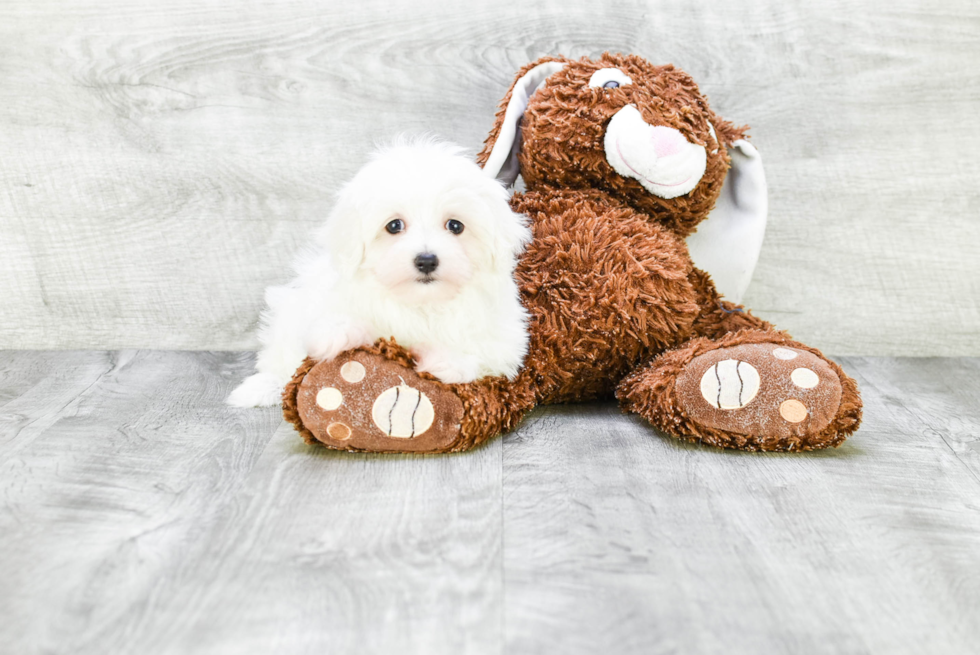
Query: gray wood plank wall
[(161, 162)]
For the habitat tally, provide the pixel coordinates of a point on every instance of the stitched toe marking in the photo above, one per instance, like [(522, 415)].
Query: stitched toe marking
[(730, 384), (403, 412)]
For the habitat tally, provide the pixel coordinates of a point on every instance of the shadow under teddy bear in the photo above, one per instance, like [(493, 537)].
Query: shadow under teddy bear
[(621, 160)]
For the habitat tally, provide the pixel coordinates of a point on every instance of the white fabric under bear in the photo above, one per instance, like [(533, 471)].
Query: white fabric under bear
[(728, 242)]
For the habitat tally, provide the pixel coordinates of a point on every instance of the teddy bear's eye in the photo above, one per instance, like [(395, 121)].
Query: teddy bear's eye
[(609, 78), (395, 226)]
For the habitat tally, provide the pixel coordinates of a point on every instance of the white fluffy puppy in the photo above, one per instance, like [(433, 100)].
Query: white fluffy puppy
[(421, 245)]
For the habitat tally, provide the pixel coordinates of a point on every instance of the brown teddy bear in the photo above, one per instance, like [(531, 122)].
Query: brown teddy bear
[(621, 160)]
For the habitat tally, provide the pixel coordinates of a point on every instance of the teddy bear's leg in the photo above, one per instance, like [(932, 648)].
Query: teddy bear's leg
[(717, 316), (371, 399), (750, 389)]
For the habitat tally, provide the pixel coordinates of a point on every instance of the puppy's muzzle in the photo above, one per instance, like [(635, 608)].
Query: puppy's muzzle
[(426, 262)]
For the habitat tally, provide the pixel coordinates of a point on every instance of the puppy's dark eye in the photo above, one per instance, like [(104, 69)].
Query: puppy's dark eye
[(454, 226), (611, 84), (395, 226)]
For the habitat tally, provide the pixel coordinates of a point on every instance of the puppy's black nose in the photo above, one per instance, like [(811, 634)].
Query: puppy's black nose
[(426, 262)]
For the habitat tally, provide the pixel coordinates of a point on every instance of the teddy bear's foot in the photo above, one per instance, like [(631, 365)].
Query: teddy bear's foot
[(754, 394), (367, 401), (760, 389)]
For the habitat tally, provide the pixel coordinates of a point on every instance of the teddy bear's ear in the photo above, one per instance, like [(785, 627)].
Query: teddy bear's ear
[(727, 243), (499, 154)]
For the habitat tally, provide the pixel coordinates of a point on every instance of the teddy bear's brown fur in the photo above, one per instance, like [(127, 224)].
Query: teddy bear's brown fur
[(617, 307)]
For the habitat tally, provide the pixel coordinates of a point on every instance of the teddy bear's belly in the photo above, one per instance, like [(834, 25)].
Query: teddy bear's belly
[(607, 288), (583, 344)]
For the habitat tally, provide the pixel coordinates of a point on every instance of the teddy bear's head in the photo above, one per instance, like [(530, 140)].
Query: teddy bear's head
[(640, 132)]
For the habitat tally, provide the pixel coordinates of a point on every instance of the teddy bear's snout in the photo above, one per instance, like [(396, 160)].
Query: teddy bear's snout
[(667, 141), (659, 157)]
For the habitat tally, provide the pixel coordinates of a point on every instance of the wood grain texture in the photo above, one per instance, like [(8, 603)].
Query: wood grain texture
[(140, 515), (144, 516), (162, 163), (622, 541)]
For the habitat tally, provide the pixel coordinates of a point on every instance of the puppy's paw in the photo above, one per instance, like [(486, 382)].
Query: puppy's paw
[(324, 344), (449, 367), (259, 390)]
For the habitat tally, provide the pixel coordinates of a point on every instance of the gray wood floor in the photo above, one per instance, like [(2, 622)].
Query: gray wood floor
[(140, 515)]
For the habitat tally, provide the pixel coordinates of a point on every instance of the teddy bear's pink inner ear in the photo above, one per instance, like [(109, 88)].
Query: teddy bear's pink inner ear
[(502, 162)]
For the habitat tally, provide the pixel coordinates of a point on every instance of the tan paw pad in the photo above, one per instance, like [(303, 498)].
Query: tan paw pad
[(793, 411), (363, 401), (764, 390), (339, 431)]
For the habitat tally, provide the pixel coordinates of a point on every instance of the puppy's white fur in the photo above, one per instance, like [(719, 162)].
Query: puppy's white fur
[(358, 282)]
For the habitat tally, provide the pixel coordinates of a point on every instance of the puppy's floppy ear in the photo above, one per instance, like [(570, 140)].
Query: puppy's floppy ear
[(499, 154), (513, 234), (341, 234), (507, 232)]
